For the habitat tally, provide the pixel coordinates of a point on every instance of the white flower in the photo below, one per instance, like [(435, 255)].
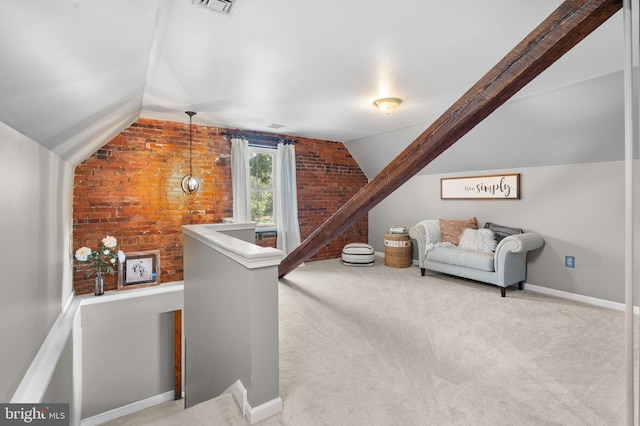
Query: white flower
[(109, 241), (82, 253), (105, 252), (112, 260), (121, 256)]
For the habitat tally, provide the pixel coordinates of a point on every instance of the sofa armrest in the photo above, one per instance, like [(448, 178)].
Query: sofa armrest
[(425, 233), (519, 243), (419, 234), (510, 260)]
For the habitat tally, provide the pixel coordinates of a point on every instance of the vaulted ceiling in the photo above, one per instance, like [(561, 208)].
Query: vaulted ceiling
[(77, 72)]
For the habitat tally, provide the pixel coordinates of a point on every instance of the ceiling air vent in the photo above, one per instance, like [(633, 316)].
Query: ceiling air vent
[(222, 6)]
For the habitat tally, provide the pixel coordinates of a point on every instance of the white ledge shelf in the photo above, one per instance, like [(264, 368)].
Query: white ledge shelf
[(247, 254)]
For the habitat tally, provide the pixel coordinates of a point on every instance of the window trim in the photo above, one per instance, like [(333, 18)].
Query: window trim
[(267, 227)]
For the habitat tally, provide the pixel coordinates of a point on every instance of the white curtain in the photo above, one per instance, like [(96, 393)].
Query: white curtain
[(240, 179), (286, 199)]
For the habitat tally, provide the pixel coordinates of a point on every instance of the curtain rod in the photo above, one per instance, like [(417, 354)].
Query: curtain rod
[(259, 139)]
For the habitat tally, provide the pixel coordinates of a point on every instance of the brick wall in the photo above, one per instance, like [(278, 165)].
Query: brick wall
[(327, 176), (130, 189)]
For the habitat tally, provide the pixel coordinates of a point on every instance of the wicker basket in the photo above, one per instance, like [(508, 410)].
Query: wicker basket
[(397, 250)]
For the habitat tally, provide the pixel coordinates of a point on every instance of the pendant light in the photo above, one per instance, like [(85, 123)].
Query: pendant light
[(190, 183)]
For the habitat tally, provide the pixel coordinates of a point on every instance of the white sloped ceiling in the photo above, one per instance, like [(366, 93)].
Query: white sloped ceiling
[(76, 72)]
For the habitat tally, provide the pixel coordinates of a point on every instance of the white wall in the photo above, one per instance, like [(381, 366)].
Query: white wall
[(578, 209), (578, 123), (230, 314), (35, 250), (126, 358), (60, 389)]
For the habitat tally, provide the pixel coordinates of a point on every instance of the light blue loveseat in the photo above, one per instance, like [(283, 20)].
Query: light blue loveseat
[(504, 267)]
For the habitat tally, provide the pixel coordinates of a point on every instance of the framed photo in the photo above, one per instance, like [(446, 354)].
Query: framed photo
[(492, 187), (140, 269)]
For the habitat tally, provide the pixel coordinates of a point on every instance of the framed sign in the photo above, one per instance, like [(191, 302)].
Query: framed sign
[(492, 187), (140, 269)]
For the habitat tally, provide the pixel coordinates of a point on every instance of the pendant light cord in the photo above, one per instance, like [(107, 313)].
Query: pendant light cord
[(190, 114), (190, 184)]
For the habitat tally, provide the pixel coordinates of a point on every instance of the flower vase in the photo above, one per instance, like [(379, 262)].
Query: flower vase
[(99, 284)]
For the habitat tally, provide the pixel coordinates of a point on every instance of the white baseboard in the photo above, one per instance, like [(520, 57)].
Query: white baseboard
[(258, 413), (262, 411), (101, 418), (240, 395), (579, 298), (573, 296)]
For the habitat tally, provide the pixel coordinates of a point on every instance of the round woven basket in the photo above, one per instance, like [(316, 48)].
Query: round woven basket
[(397, 250)]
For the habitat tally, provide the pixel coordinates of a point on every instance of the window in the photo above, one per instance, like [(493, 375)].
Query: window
[(264, 189), (262, 186)]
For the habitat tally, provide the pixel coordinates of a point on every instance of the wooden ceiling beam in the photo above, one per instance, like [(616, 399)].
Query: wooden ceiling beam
[(570, 23)]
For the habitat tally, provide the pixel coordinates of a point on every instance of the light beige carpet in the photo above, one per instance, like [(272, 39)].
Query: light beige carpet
[(385, 346)]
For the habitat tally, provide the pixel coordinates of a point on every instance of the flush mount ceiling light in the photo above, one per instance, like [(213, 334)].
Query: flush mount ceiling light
[(387, 105), (190, 183), (226, 7)]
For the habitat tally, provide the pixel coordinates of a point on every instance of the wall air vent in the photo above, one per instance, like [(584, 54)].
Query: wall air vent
[(222, 6)]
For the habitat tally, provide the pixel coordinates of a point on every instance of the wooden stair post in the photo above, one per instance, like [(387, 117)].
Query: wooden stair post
[(570, 23)]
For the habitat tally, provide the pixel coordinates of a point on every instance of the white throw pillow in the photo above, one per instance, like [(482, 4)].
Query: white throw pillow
[(478, 240)]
